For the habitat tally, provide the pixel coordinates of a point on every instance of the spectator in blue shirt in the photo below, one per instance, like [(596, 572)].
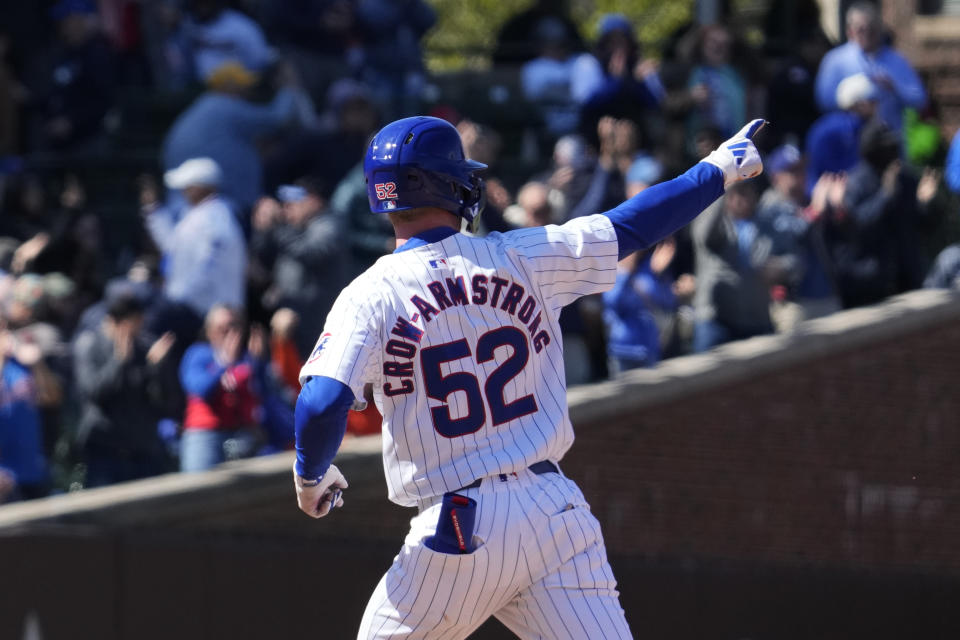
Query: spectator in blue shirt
[(23, 467), (225, 381), (951, 172), (392, 56), (616, 80), (866, 52), (547, 79), (833, 142), (217, 34), (634, 309)]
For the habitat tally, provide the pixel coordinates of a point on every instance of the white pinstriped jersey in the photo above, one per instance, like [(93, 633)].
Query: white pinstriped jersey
[(461, 341)]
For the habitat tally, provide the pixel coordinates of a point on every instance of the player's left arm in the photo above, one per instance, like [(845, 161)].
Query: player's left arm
[(320, 421), (661, 210), (342, 361)]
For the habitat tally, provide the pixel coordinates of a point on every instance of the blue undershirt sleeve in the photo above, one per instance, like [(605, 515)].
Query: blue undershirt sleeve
[(656, 212), (320, 421)]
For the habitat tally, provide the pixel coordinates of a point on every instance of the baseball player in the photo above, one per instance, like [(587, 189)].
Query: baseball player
[(458, 335)]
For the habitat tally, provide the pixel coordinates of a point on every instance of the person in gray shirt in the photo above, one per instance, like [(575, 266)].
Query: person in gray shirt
[(733, 259)]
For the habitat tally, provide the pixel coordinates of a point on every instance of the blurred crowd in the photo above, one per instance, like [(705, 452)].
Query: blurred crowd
[(170, 337)]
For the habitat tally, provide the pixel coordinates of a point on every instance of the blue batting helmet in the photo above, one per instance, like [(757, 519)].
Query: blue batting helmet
[(419, 162)]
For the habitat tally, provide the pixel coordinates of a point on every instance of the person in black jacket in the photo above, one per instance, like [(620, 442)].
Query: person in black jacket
[(873, 240), (79, 88), (302, 240), (126, 386)]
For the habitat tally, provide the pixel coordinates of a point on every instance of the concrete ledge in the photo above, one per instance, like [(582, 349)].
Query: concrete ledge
[(180, 497), (752, 358)]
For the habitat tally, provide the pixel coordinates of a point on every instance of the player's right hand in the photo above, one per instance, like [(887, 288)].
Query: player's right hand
[(318, 500), (738, 158)]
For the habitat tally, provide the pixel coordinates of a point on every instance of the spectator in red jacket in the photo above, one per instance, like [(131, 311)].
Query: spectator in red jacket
[(223, 379)]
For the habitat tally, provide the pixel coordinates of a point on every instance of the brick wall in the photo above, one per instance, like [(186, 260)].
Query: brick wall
[(846, 461)]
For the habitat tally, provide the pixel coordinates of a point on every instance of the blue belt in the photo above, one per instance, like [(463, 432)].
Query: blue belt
[(539, 468)]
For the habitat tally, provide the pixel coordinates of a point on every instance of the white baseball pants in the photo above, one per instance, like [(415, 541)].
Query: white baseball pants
[(540, 567)]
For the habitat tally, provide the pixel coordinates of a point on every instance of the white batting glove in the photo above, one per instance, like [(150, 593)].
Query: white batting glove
[(737, 157), (317, 498)]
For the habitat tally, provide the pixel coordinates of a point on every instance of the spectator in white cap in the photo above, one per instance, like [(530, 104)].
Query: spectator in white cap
[(204, 253), (833, 142)]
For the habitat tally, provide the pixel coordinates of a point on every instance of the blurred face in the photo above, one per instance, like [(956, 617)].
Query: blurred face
[(790, 182), (864, 29), (196, 193), (705, 142), (219, 324), (555, 51), (533, 200), (87, 233), (133, 323), (19, 313), (299, 212), (740, 203), (73, 196), (866, 109), (358, 116), (484, 146), (75, 28), (716, 47)]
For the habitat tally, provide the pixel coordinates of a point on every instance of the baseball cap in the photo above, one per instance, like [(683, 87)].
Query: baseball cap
[(192, 173), (66, 8), (855, 88), (615, 22), (122, 288), (783, 158), (291, 193), (231, 74)]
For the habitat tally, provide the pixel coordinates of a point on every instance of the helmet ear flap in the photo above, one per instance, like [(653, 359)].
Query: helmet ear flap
[(474, 202)]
